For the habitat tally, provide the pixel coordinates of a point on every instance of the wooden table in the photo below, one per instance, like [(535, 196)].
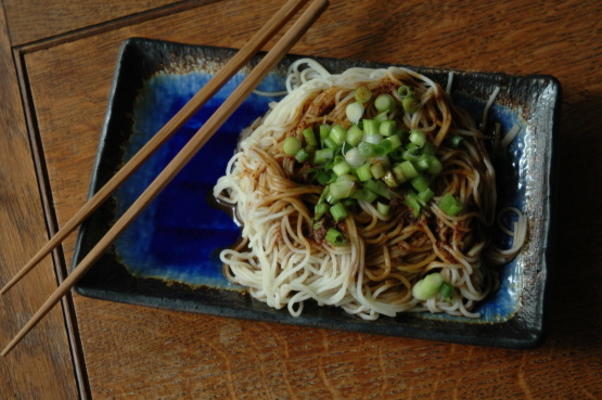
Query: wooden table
[(56, 66)]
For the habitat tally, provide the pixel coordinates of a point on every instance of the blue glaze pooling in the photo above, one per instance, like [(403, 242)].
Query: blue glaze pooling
[(178, 237)]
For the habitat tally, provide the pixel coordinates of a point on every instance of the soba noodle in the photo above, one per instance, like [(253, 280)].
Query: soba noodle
[(285, 260)]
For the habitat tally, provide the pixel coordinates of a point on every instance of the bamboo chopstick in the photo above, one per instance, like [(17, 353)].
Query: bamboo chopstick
[(274, 24), (283, 45)]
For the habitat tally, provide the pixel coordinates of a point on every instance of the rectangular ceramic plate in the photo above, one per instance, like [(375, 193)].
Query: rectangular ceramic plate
[(169, 256)]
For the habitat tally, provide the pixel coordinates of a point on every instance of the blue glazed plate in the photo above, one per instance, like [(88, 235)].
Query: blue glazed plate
[(169, 256)]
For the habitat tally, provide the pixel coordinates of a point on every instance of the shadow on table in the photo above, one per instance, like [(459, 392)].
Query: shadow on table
[(575, 292)]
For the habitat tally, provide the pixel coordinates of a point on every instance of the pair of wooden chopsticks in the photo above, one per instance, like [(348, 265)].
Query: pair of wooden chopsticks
[(201, 137)]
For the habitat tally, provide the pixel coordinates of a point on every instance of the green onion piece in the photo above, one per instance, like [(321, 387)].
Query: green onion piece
[(387, 127), (328, 142), (389, 180), (399, 175), (324, 132), (370, 126), (409, 104), (320, 209), (410, 155), (354, 112), (323, 155), (404, 91), (338, 212), (435, 166), (362, 94), (383, 209), (450, 205), (446, 290), (302, 155), (425, 196), (363, 173), (392, 143), (324, 177), (309, 136), (377, 170), (335, 237), (384, 102), (382, 116), (379, 188), (418, 138), (365, 195), (366, 149), (422, 163), (342, 188), (428, 286), (420, 183), (354, 135), (408, 169), (455, 141), (411, 200), (341, 168), (291, 145), (337, 134)]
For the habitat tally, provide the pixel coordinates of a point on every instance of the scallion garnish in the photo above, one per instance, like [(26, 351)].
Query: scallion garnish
[(310, 138), (387, 127), (338, 134), (335, 237), (291, 145), (323, 155), (418, 138), (384, 102), (338, 212), (354, 135), (450, 205), (302, 155), (362, 94), (354, 112)]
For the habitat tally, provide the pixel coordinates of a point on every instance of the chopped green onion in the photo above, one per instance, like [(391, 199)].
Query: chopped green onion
[(365, 195), (362, 94), (418, 138), (324, 132), (391, 143), (435, 166), (328, 142), (377, 170), (324, 177), (309, 136), (420, 183), (446, 290), (411, 200), (335, 237), (382, 116), (302, 155), (425, 196), (408, 169), (450, 205), (389, 180), (409, 104), (338, 212), (428, 286), (323, 155), (354, 112), (320, 209), (379, 188), (354, 157), (404, 91), (363, 173), (337, 134), (387, 127), (291, 145), (370, 126), (399, 175), (455, 141), (341, 168), (383, 209), (373, 138), (341, 189), (422, 163), (384, 102), (366, 149), (354, 135)]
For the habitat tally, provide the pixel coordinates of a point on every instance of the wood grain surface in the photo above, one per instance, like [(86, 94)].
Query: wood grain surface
[(135, 352), (42, 368)]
